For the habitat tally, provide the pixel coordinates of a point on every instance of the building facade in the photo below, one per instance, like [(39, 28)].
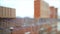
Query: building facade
[(6, 12), (41, 9)]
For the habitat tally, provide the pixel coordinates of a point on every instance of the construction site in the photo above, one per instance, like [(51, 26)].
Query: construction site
[(42, 22)]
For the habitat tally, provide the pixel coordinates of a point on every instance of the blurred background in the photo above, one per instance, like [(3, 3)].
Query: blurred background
[(27, 18)]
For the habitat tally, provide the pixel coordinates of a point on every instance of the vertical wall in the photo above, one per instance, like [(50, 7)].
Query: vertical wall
[(41, 9), (56, 10), (44, 11), (53, 11), (6, 12), (37, 8)]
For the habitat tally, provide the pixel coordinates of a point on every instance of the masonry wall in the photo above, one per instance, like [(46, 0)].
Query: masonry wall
[(41, 9), (53, 11), (44, 11), (56, 9), (37, 8), (6, 12)]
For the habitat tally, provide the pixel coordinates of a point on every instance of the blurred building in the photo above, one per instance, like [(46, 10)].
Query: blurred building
[(53, 16), (6, 12), (41, 9), (6, 21), (43, 12), (37, 8), (53, 12)]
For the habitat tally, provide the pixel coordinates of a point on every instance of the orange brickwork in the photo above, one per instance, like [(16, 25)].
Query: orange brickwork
[(37, 9), (53, 12)]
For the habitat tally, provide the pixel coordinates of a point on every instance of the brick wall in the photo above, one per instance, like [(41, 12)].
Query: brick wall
[(53, 12), (37, 9)]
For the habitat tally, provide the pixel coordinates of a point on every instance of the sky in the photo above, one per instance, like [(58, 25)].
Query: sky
[(25, 8)]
